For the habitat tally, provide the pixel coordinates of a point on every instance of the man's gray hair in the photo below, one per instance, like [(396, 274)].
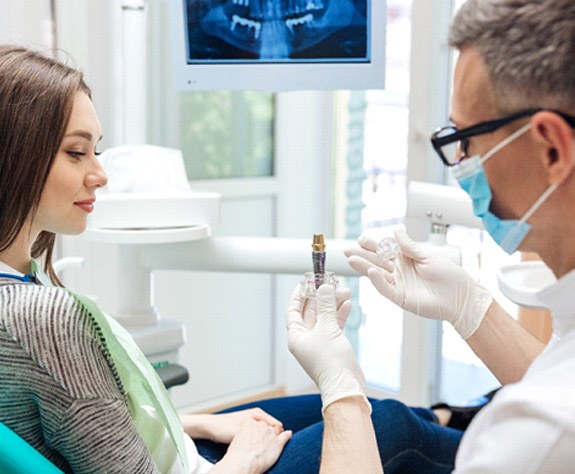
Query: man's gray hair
[(528, 47)]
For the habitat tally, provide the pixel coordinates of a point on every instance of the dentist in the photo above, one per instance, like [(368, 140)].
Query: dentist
[(511, 145)]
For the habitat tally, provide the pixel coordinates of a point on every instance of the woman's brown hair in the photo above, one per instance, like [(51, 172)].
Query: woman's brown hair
[(36, 95)]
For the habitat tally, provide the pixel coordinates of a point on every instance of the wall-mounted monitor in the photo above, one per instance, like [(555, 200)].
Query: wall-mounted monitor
[(278, 45)]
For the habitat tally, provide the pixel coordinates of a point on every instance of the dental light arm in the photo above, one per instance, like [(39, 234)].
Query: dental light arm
[(243, 254), (439, 205)]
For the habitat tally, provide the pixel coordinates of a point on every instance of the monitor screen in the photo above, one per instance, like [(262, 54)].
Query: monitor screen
[(279, 45)]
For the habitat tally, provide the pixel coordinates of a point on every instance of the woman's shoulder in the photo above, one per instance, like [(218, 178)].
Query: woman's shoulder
[(23, 304), (57, 332), (38, 317)]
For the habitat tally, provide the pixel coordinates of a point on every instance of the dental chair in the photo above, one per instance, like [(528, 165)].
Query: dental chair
[(18, 457)]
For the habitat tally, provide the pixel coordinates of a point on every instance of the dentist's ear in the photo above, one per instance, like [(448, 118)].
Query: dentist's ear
[(557, 138)]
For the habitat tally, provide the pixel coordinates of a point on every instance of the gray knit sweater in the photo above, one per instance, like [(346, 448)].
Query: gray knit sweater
[(58, 388)]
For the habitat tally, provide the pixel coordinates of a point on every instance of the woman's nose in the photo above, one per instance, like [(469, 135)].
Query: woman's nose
[(97, 176)]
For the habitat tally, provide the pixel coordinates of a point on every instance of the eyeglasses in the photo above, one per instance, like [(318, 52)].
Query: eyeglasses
[(452, 145)]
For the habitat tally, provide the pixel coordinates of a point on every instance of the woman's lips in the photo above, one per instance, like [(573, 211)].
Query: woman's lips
[(86, 206)]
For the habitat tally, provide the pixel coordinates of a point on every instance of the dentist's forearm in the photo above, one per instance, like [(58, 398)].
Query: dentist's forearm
[(506, 348), (349, 443)]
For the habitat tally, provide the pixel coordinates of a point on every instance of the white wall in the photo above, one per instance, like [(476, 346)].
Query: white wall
[(26, 22), (89, 33), (88, 36)]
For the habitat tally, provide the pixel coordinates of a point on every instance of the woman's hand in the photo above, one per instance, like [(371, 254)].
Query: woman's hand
[(222, 428), (255, 447)]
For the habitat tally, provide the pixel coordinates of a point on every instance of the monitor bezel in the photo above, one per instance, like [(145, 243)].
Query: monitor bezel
[(285, 75)]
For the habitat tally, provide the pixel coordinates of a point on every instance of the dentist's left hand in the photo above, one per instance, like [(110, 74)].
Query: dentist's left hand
[(316, 339)]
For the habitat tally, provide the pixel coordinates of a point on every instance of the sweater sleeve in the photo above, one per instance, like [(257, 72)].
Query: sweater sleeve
[(80, 401), (99, 436)]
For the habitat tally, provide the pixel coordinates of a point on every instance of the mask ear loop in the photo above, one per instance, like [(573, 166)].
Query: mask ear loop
[(505, 142), (548, 191), (530, 212), (539, 202), (473, 164)]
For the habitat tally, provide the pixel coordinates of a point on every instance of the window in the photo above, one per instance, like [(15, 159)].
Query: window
[(384, 196)]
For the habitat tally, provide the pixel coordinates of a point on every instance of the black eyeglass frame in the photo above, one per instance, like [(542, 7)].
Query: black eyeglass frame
[(482, 128)]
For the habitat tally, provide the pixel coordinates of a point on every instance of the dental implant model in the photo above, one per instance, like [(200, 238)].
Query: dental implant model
[(318, 255), (313, 280)]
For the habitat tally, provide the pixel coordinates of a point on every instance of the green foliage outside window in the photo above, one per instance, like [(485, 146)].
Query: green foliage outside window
[(227, 134)]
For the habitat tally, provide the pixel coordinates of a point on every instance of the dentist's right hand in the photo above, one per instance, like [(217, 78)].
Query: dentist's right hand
[(422, 281), (316, 339)]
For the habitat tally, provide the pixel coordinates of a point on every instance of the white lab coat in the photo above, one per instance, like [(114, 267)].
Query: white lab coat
[(529, 427)]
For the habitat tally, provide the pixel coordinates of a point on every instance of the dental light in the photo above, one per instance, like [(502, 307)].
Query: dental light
[(440, 206)]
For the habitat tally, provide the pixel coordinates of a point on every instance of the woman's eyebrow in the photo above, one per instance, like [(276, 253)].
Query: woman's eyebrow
[(82, 134)]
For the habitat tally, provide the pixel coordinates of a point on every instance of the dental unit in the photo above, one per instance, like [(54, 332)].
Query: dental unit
[(150, 239)]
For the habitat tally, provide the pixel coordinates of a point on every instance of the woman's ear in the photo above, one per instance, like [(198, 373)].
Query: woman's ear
[(556, 138)]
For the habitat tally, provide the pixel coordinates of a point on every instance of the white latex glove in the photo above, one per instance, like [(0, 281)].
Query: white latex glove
[(316, 339), (422, 281)]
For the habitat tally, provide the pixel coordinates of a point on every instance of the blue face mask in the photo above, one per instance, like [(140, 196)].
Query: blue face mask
[(508, 234)]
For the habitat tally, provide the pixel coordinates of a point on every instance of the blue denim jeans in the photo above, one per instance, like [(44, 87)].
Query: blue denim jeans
[(409, 439)]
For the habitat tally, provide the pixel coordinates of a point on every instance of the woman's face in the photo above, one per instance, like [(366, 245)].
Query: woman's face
[(69, 194)]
